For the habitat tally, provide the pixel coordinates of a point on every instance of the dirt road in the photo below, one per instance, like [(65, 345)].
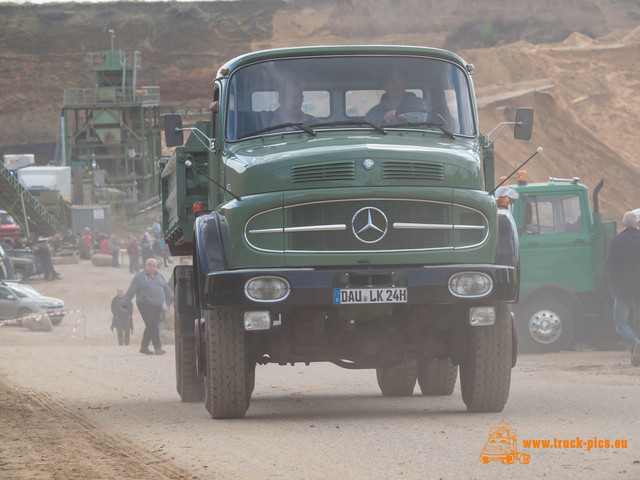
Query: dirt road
[(81, 407)]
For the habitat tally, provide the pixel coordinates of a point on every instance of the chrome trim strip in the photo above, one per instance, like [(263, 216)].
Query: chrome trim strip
[(435, 226), (309, 228)]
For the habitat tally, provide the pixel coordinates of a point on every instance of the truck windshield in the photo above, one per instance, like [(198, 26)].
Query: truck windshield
[(349, 92)]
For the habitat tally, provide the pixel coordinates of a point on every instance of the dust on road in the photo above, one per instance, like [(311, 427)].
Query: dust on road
[(82, 407)]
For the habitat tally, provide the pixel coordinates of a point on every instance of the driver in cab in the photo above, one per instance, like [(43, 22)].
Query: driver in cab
[(397, 105)]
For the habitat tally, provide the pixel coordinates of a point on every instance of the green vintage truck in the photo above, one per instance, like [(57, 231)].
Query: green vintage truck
[(564, 291), (326, 227)]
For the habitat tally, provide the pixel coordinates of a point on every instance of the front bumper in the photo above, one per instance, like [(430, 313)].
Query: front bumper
[(313, 287)]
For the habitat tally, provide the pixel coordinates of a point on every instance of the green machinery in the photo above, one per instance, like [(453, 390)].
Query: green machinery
[(109, 133)]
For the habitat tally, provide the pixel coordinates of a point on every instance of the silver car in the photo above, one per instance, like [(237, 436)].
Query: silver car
[(18, 299)]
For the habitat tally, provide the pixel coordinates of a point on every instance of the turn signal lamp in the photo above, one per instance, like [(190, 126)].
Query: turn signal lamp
[(503, 202), (198, 207)]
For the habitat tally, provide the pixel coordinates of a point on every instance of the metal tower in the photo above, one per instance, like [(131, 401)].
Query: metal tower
[(110, 134)]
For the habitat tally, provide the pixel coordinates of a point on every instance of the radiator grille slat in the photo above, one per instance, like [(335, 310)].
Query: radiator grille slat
[(330, 171), (408, 170)]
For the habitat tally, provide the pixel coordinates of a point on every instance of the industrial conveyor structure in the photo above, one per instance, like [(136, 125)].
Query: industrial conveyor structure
[(27, 211)]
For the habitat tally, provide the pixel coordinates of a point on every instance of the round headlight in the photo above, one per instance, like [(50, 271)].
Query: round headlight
[(470, 284), (267, 289)]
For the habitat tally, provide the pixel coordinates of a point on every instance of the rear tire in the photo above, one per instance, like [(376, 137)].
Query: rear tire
[(229, 379), (485, 373), (437, 376), (398, 381), (189, 384)]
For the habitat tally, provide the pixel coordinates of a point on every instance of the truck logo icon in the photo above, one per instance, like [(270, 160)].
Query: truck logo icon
[(502, 446), (369, 225)]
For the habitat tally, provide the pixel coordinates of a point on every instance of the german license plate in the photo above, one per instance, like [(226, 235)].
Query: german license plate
[(369, 295)]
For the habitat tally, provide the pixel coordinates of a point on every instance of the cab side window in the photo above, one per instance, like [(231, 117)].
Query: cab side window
[(543, 214)]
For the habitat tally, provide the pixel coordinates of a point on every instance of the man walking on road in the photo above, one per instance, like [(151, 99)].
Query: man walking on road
[(623, 267), (153, 296)]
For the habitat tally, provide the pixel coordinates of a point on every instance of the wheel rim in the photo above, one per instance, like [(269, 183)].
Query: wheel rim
[(545, 326)]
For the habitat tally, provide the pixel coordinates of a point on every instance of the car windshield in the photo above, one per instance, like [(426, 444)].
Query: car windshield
[(23, 290), (354, 92)]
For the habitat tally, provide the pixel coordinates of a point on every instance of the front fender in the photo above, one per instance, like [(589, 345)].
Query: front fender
[(508, 245), (208, 253)]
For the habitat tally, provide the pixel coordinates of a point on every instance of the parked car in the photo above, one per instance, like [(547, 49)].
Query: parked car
[(8, 226), (19, 256), (18, 299)]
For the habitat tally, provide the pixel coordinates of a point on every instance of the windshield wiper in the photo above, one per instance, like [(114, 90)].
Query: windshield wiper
[(300, 126), (447, 132), (350, 122)]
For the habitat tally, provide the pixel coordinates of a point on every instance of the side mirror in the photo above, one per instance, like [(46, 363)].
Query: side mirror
[(524, 123), (173, 133)]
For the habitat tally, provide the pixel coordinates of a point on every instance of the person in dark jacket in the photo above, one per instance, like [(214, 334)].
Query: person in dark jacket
[(43, 252), (623, 268), (122, 318), (145, 251), (397, 105), (133, 250), (153, 296)]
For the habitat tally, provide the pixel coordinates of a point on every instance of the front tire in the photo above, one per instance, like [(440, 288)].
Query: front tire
[(485, 373), (545, 325), (398, 381), (229, 379)]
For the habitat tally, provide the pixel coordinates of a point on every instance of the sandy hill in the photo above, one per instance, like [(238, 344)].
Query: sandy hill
[(575, 61)]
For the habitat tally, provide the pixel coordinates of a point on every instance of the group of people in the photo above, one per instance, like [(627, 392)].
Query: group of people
[(151, 245), (153, 298)]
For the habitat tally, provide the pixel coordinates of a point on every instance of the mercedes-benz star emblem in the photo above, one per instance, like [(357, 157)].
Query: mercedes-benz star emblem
[(369, 225)]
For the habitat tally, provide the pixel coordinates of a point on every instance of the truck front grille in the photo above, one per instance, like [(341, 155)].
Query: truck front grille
[(368, 225)]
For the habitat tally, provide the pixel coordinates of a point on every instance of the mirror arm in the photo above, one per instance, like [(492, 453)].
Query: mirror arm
[(197, 131), (500, 126)]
